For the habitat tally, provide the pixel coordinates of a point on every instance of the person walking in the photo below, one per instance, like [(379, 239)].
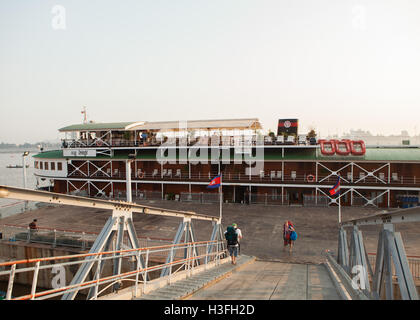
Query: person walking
[(239, 232), (33, 225), (232, 235), (33, 228), (289, 234)]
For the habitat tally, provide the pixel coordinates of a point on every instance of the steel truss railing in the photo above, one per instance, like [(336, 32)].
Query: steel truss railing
[(63, 237), (353, 258), (118, 227), (241, 176), (195, 253), (232, 141)]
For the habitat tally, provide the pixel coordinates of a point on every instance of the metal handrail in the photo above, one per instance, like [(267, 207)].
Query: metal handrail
[(397, 216), (413, 261), (57, 237), (186, 263)]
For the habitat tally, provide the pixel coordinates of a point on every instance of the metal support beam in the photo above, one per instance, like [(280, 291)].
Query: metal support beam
[(216, 235), (406, 283), (358, 257), (177, 240), (343, 251), (128, 181), (97, 247), (62, 199), (116, 226), (185, 229), (390, 253)]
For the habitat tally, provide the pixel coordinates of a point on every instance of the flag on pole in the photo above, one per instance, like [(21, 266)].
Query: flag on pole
[(336, 188), (215, 183)]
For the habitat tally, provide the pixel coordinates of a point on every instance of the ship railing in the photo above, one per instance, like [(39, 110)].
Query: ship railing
[(139, 268), (201, 197), (315, 200), (268, 176), (309, 200), (233, 141), (266, 199), (62, 237)]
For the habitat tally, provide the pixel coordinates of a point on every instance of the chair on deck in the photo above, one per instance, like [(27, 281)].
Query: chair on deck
[(280, 140), (272, 175), (290, 139), (268, 140)]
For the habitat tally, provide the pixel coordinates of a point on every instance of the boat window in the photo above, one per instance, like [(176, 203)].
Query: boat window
[(41, 165), (52, 165), (59, 166), (36, 165), (46, 166)]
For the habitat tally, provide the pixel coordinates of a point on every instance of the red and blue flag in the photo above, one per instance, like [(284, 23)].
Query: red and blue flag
[(336, 188), (215, 183)]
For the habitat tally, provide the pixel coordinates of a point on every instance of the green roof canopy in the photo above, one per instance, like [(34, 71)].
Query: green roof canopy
[(97, 126)]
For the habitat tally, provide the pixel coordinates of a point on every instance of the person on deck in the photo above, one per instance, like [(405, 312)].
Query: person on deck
[(33, 228), (33, 225)]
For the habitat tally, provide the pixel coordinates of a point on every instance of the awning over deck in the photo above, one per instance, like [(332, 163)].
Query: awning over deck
[(100, 126), (223, 124)]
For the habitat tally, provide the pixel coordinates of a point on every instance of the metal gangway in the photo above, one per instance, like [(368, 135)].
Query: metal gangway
[(391, 271), (196, 255), (347, 275)]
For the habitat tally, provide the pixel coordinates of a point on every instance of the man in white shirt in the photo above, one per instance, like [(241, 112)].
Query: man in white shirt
[(239, 233)]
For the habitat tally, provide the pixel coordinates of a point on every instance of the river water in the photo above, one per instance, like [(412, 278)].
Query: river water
[(14, 177)]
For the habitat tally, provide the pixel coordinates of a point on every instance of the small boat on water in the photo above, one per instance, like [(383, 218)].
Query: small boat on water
[(16, 166)]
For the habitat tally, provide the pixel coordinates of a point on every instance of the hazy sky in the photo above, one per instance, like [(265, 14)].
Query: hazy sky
[(334, 65)]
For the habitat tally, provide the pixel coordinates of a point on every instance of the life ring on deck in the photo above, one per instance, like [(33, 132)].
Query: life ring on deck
[(98, 143), (341, 142), (141, 175), (310, 178), (323, 143), (353, 150)]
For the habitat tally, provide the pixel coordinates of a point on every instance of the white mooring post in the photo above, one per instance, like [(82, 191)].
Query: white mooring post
[(128, 180)]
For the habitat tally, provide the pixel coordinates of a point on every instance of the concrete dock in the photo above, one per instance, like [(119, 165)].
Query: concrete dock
[(276, 273)]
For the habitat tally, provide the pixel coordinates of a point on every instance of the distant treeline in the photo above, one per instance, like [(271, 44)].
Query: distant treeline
[(29, 145)]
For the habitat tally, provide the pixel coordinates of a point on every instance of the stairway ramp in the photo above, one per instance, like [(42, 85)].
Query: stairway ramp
[(182, 289)]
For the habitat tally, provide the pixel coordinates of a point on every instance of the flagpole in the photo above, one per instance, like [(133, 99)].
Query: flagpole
[(221, 198), (339, 208)]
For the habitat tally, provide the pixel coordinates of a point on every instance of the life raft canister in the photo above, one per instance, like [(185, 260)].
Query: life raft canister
[(353, 149), (323, 143), (345, 142)]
